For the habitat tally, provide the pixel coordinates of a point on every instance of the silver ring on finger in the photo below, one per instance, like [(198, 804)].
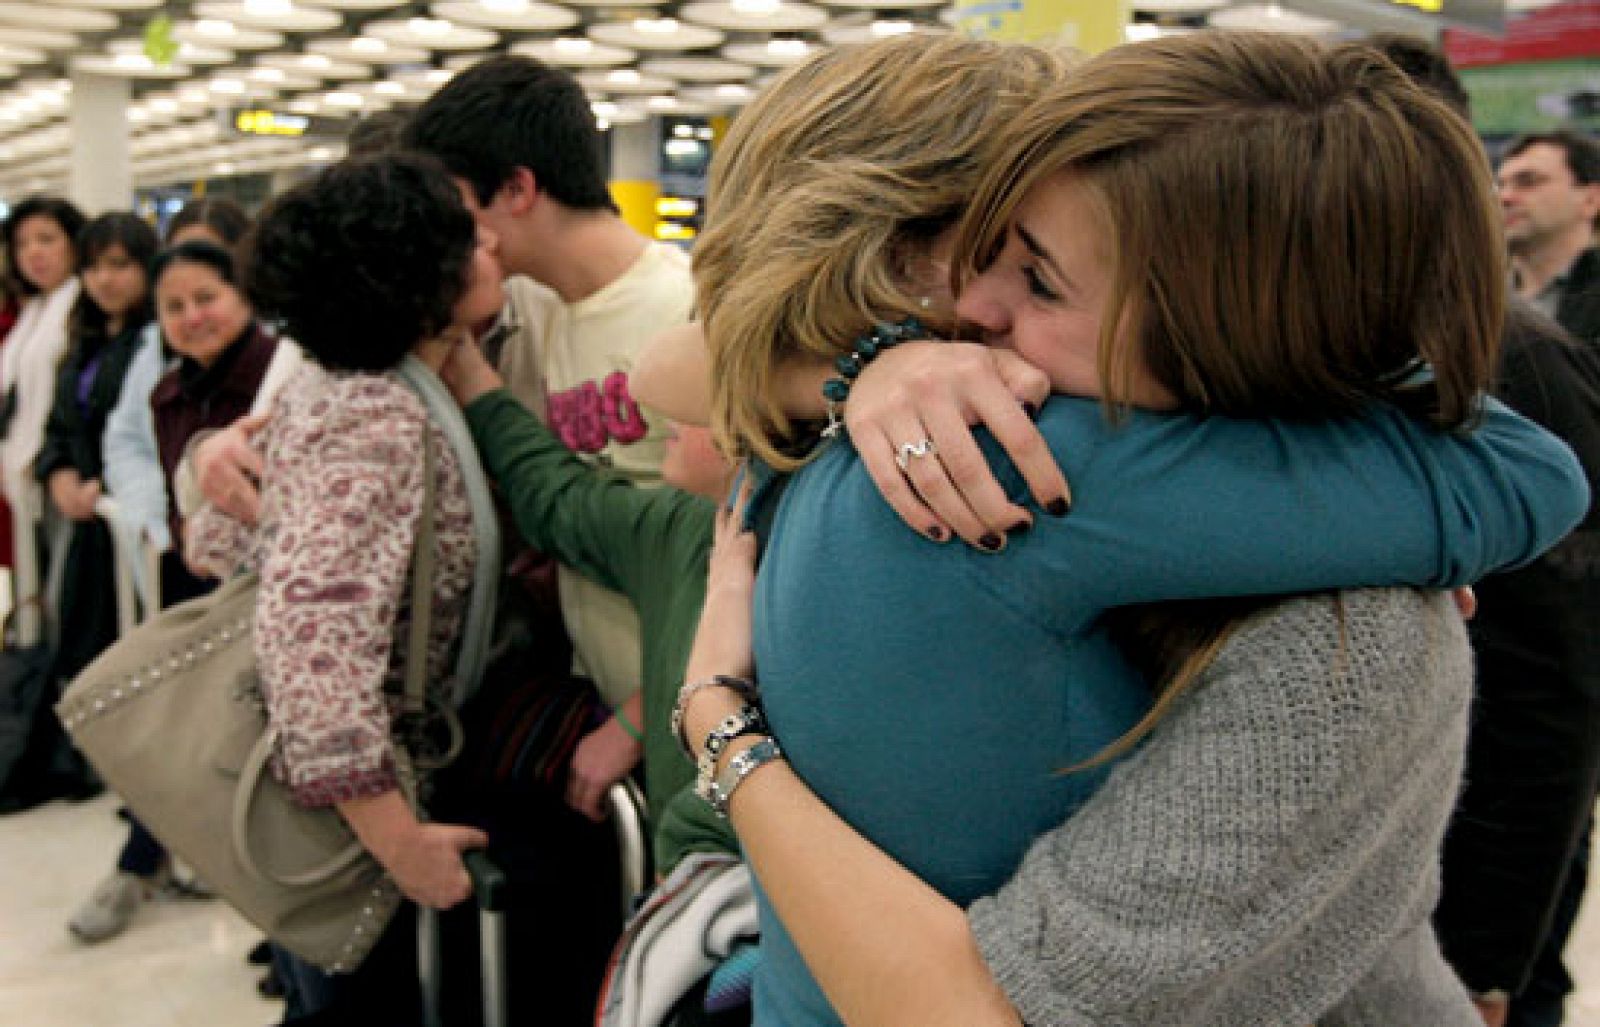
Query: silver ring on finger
[(909, 451)]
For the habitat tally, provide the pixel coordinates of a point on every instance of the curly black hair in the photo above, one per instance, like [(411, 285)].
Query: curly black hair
[(62, 212), (362, 261)]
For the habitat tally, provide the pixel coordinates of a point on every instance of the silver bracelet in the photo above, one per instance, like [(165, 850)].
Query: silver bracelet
[(740, 767), (744, 687)]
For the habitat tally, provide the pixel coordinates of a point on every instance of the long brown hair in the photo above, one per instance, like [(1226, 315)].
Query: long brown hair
[(825, 186), (1298, 231)]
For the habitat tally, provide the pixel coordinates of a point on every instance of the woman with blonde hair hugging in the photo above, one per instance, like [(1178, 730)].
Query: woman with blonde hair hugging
[(1208, 232)]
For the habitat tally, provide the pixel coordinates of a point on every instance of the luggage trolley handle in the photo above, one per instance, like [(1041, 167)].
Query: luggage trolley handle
[(489, 892)]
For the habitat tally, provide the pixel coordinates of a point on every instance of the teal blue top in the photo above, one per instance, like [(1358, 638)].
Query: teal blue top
[(931, 694)]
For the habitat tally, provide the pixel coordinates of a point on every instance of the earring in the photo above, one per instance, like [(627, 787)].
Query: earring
[(925, 302)]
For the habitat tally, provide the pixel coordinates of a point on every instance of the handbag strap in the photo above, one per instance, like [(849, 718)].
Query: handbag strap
[(414, 699), (476, 629)]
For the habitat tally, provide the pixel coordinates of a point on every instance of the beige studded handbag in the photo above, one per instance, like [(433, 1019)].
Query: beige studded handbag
[(171, 717)]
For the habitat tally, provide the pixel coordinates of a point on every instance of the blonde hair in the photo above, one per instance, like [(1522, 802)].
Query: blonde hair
[(1297, 229), (823, 191)]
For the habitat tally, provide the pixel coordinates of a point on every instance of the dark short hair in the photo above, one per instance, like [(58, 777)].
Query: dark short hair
[(363, 260), (1582, 152), (138, 239), (1426, 65), (509, 112), (62, 212), (378, 132), (218, 213), (195, 251)]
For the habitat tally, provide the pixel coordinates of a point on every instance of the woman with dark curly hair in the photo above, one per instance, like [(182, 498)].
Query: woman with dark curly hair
[(367, 264)]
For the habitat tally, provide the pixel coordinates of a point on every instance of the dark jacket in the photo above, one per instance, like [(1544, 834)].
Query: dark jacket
[(87, 617), (190, 399), (73, 432), (1579, 310), (1533, 755)]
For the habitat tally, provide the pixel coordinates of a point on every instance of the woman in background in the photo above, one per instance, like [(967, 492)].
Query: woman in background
[(368, 264), (133, 472), (41, 250)]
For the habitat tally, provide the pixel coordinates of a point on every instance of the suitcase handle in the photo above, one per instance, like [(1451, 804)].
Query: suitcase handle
[(488, 880)]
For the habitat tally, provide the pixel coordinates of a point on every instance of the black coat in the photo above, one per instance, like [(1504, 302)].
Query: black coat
[(1533, 754), (1579, 310), (87, 617), (73, 433)]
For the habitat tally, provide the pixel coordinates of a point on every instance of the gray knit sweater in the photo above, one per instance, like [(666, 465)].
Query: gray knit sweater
[(1270, 856)]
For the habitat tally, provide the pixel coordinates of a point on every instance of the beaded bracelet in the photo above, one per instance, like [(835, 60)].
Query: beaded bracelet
[(836, 390), (744, 687), (748, 721)]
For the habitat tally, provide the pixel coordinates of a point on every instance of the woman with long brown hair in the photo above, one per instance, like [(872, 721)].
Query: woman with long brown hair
[(1231, 227)]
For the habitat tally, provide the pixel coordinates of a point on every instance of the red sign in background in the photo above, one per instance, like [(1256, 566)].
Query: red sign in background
[(1570, 29)]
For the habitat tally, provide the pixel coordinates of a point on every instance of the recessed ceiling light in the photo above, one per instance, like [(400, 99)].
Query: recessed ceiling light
[(886, 27), (781, 47), (623, 77), (387, 88), (430, 27), (343, 99), (604, 108)]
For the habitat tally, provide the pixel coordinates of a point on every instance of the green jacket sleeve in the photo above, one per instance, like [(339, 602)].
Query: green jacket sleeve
[(596, 522)]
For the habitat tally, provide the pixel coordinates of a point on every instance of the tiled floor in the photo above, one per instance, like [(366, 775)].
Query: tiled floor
[(182, 963)]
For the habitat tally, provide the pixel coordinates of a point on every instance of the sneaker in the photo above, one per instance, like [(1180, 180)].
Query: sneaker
[(110, 908)]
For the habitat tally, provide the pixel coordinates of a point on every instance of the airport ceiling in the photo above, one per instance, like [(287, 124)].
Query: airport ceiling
[(337, 59)]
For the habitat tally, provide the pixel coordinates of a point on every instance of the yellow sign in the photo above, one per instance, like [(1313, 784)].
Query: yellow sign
[(676, 207), (270, 123), (1089, 25), (1431, 6), (672, 231)]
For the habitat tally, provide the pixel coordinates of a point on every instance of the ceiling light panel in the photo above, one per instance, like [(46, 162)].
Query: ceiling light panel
[(654, 33), (71, 19), (755, 16), (508, 15), (216, 32), (574, 52), (278, 15), (430, 34), (698, 69), (368, 50)]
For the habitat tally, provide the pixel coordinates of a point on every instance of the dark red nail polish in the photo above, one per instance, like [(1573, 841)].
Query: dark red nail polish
[(936, 533), (1020, 528), (1031, 409), (991, 542), (1058, 507)]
